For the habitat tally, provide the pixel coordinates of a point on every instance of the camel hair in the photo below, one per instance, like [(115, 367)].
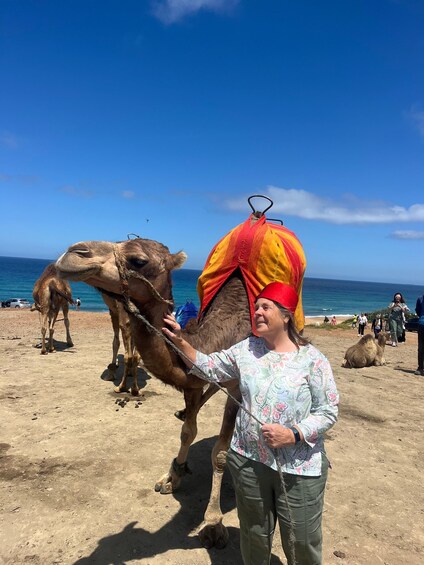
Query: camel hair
[(366, 352), (141, 270), (51, 294)]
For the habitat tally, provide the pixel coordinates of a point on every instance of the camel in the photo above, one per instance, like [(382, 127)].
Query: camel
[(366, 352), (139, 271), (51, 294), (121, 323)]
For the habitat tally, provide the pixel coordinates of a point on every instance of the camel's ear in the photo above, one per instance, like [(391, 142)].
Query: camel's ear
[(178, 260)]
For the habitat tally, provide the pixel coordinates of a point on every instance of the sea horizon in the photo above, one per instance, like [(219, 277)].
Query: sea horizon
[(321, 296)]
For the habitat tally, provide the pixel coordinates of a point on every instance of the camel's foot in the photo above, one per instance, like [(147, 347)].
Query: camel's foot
[(172, 480), (180, 414), (135, 391), (70, 343), (213, 535), (44, 352), (120, 388), (166, 485)]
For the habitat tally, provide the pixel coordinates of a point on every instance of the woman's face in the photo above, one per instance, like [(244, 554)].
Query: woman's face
[(398, 297), (268, 318)]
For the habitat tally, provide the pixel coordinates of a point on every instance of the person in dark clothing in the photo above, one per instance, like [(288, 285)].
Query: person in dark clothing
[(419, 309), (377, 325)]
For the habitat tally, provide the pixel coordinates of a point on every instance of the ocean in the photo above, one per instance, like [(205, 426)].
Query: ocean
[(321, 297)]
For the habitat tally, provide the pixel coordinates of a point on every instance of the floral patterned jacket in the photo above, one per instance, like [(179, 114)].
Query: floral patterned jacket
[(285, 388)]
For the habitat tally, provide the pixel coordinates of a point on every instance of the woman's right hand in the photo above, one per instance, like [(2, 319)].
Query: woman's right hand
[(172, 328)]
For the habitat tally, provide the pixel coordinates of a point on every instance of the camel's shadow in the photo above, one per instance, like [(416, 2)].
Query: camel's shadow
[(59, 346), (133, 543), (142, 376)]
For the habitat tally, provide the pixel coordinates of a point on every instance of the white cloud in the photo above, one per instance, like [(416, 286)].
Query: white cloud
[(76, 192), (408, 234), (8, 139), (128, 194), (171, 11), (23, 179), (349, 210), (416, 116)]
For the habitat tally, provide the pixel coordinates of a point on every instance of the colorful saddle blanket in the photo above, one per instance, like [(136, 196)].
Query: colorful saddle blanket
[(264, 252)]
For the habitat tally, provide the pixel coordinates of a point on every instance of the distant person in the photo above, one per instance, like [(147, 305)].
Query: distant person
[(419, 309), (333, 321), (397, 309), (362, 323), (326, 320), (78, 303), (377, 325), (354, 321), (402, 337)]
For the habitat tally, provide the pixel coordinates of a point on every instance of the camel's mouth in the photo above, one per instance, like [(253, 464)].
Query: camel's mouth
[(74, 265), (73, 274), (80, 276)]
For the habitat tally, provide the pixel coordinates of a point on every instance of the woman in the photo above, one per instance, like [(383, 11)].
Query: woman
[(397, 309), (288, 385), (362, 323)]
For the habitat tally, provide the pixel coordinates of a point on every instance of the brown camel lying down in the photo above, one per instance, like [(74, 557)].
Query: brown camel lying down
[(368, 351)]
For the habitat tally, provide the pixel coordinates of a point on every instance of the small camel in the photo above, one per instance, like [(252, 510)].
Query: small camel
[(51, 294), (121, 323), (367, 352)]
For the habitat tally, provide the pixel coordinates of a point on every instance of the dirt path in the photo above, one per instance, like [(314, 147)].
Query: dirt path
[(77, 470)]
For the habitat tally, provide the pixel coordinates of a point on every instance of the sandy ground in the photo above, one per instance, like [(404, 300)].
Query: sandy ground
[(77, 470)]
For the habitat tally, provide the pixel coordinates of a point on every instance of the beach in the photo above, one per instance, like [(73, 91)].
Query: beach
[(77, 469)]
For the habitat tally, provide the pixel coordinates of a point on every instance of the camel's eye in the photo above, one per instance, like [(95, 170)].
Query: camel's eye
[(137, 263)]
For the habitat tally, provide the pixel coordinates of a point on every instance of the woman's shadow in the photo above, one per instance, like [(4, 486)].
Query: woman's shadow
[(133, 543)]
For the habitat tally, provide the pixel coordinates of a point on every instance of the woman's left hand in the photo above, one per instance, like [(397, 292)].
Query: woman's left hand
[(276, 435)]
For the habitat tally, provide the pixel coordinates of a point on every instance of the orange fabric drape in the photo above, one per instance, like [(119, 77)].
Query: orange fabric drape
[(264, 252)]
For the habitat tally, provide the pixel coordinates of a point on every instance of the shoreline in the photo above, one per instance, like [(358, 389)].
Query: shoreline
[(88, 314)]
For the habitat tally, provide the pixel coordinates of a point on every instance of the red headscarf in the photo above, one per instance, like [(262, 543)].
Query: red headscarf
[(281, 293)]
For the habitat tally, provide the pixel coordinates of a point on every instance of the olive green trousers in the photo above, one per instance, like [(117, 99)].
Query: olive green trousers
[(261, 502)]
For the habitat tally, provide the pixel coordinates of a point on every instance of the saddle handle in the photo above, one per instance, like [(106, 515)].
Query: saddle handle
[(260, 196)]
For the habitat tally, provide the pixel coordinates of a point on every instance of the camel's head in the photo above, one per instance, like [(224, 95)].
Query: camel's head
[(102, 264)]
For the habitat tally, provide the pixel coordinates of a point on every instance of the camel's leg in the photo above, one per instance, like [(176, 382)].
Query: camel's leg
[(65, 309), (171, 480), (209, 392), (212, 532), (135, 389), (128, 356), (44, 324), (112, 367), (52, 321)]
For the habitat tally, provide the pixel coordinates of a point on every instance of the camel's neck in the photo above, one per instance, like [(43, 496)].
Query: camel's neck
[(157, 357), (226, 322)]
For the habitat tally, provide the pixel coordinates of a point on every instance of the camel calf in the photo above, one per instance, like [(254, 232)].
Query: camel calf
[(366, 352), (51, 294)]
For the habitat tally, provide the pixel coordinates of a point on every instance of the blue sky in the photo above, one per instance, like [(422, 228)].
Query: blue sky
[(161, 118)]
